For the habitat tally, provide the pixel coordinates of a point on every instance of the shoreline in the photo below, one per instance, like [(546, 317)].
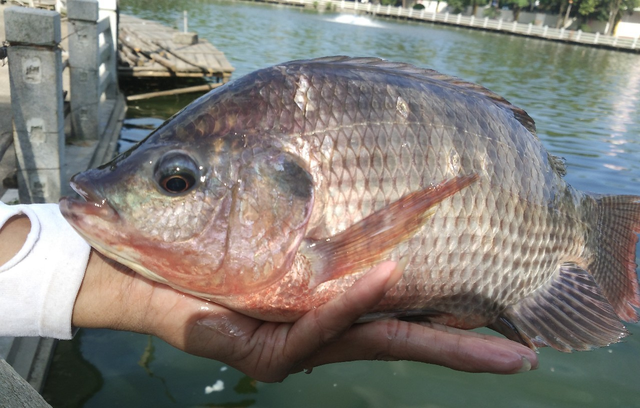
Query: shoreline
[(573, 37)]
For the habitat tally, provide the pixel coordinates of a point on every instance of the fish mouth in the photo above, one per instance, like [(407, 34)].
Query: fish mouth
[(91, 204)]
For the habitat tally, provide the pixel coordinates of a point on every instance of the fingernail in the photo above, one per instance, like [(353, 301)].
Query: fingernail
[(396, 274), (526, 365)]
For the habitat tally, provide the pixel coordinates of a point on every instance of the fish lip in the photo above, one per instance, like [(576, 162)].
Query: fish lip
[(88, 194), (92, 203)]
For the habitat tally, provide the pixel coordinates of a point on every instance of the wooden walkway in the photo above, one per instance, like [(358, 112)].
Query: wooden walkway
[(150, 49)]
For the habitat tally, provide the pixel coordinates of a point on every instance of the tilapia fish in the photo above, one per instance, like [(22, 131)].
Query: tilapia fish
[(274, 193)]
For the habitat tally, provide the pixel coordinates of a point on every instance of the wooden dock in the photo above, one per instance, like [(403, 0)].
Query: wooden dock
[(150, 49)]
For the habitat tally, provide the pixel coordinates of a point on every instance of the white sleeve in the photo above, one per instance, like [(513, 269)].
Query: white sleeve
[(39, 285)]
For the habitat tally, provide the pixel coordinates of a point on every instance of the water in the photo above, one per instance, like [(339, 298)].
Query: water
[(585, 103)]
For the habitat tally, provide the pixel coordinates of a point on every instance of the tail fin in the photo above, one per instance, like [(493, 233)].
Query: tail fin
[(613, 242)]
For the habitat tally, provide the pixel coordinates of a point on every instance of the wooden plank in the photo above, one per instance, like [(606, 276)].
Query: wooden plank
[(132, 58), (190, 89), (161, 73), (155, 42), (163, 61), (189, 61)]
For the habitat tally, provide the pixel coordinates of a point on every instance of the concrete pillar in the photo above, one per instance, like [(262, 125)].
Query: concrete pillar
[(109, 9), (35, 69), (84, 68)]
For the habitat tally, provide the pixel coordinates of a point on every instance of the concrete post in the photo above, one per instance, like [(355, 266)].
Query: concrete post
[(84, 68), (35, 69), (109, 9)]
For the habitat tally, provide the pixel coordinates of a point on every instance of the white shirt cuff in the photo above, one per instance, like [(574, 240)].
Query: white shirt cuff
[(39, 285)]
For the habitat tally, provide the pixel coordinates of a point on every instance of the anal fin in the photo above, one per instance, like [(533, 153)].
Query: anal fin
[(568, 313), (368, 241)]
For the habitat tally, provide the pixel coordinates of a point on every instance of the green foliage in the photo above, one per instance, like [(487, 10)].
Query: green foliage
[(491, 12), (388, 2), (588, 7), (517, 3), (418, 7), (458, 6), (629, 5), (585, 9)]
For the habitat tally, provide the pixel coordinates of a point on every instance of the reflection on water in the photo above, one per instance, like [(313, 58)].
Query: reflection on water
[(585, 104)]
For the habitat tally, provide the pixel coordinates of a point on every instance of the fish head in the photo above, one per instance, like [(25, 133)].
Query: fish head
[(211, 216)]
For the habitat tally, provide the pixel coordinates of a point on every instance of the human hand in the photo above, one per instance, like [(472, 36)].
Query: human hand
[(113, 296)]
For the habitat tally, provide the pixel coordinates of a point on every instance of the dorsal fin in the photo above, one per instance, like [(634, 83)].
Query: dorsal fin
[(424, 74)]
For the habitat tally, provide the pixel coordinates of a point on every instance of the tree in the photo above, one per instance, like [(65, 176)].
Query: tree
[(516, 6), (588, 7), (459, 6), (616, 9)]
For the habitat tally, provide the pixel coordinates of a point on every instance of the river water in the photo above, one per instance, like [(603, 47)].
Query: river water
[(586, 106)]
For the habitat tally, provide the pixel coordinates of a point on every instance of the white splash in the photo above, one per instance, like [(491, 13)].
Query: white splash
[(356, 20), (218, 386)]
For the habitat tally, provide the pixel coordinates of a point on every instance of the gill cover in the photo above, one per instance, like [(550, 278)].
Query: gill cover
[(271, 205)]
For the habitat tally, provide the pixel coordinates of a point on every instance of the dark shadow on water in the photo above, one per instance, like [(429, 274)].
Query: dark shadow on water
[(72, 380), (238, 404), (162, 107), (134, 85)]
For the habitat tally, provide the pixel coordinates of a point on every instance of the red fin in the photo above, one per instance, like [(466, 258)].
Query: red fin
[(367, 242), (617, 220), (568, 313)]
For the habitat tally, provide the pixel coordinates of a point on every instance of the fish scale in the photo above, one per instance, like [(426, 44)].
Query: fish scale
[(340, 189), (301, 177)]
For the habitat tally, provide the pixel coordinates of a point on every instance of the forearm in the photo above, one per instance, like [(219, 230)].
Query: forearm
[(42, 262)]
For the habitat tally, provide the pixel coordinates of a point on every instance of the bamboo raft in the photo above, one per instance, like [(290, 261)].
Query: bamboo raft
[(149, 49)]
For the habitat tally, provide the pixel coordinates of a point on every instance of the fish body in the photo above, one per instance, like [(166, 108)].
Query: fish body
[(274, 193)]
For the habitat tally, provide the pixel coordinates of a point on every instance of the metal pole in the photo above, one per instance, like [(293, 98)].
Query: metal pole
[(185, 26)]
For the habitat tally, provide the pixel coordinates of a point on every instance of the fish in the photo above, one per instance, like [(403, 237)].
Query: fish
[(274, 193)]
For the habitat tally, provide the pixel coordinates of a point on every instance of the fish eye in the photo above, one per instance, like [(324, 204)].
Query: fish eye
[(176, 173)]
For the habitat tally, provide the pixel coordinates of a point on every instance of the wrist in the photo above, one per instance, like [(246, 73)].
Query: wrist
[(103, 300)]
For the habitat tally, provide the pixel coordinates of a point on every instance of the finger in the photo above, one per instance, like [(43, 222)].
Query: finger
[(520, 348), (453, 348), (328, 322)]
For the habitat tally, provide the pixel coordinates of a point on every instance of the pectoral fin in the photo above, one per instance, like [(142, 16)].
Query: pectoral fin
[(369, 241)]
